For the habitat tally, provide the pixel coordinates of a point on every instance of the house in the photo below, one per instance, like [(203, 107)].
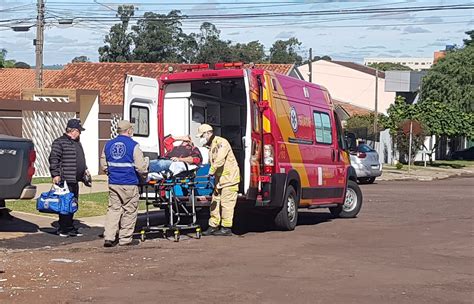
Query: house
[(351, 83)]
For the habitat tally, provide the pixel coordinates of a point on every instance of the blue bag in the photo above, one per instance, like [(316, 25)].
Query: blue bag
[(50, 202)]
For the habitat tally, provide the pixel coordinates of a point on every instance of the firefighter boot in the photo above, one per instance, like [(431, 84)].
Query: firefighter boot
[(210, 231), (224, 231)]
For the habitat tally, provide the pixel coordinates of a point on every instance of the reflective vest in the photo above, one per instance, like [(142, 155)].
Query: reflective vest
[(119, 156)]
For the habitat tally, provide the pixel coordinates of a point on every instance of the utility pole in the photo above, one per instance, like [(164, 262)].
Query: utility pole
[(376, 114), (38, 42), (310, 63)]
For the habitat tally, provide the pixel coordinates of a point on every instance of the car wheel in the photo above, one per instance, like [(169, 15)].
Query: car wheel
[(352, 202), (366, 180), (287, 217)]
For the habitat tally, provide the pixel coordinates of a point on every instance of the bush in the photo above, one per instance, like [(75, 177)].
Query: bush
[(399, 166)]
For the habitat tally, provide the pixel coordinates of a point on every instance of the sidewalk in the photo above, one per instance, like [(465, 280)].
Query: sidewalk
[(423, 173)]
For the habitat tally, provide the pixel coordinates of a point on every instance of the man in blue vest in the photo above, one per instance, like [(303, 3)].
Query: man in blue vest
[(123, 162)]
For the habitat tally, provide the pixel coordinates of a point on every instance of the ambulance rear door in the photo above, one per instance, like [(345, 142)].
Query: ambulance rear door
[(141, 108)]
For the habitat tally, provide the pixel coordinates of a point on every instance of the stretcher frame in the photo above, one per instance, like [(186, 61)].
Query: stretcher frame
[(177, 208)]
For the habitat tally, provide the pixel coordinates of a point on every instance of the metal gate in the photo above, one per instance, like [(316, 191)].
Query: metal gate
[(43, 128)]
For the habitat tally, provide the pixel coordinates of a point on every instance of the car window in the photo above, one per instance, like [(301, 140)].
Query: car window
[(364, 148)]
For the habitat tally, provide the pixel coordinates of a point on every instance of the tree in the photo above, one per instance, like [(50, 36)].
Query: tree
[(363, 125), (437, 118), (248, 52), (159, 38), (3, 54), (451, 79), (211, 48), (22, 65), (4, 63), (80, 59), (285, 51), (118, 42), (389, 66), (470, 40)]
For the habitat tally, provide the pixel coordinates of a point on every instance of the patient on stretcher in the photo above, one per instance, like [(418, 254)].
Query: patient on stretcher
[(181, 155)]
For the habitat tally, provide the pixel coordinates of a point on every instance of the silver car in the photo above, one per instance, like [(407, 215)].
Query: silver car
[(365, 161)]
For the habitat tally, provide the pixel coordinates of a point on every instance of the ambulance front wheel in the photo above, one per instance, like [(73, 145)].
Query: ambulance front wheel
[(287, 217), (352, 202)]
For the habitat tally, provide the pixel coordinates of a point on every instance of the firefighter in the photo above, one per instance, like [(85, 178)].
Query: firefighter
[(225, 169), (124, 164)]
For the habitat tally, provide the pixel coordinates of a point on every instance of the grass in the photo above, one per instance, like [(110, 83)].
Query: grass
[(418, 165), (48, 180), (455, 164), (41, 180), (92, 204)]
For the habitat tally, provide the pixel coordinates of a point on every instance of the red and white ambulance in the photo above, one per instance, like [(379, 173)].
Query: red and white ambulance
[(284, 132)]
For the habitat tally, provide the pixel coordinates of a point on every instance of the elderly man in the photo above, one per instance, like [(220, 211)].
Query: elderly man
[(67, 163), (185, 152), (124, 164), (225, 168)]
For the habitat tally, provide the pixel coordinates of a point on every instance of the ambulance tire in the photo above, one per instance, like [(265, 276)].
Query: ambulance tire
[(287, 217), (352, 203)]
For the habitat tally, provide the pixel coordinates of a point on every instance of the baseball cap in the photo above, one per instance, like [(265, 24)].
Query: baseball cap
[(75, 124), (124, 125), (203, 129)]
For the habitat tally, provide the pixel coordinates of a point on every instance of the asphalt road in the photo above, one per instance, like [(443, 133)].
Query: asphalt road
[(412, 243)]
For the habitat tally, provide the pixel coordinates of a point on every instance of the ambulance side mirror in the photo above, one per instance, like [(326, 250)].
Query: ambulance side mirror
[(350, 140)]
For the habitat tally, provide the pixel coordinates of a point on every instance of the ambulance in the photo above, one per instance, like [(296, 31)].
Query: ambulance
[(284, 132)]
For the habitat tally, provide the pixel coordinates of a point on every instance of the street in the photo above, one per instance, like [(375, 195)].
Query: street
[(412, 243)]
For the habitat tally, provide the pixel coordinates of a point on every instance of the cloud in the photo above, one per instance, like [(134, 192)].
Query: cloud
[(285, 35), (393, 16), (433, 19), (395, 51), (58, 39), (373, 47), (415, 30)]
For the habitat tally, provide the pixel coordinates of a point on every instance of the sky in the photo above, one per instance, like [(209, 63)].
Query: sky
[(343, 37)]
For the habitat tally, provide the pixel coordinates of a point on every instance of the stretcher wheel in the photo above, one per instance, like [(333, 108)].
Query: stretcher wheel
[(198, 233), (142, 235)]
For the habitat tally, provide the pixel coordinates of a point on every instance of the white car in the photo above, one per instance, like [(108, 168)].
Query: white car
[(365, 161)]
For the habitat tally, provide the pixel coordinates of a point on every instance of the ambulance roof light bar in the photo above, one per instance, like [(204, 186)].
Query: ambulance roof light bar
[(193, 67), (227, 65)]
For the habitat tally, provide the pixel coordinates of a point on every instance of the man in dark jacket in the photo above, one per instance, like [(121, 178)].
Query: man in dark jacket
[(67, 163)]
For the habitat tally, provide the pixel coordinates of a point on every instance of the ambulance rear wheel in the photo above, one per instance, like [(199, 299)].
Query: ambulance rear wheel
[(287, 217)]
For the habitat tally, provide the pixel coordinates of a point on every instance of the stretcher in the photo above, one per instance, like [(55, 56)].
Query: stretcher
[(176, 195)]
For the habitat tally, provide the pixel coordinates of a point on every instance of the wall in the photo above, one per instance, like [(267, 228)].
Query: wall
[(350, 85)]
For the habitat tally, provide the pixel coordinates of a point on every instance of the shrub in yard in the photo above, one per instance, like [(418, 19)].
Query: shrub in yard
[(399, 166)]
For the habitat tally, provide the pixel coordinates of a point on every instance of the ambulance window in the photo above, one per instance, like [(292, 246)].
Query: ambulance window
[(322, 123), (256, 118), (139, 116)]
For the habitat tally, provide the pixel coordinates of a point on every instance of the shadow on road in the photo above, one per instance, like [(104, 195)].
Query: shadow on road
[(13, 224)]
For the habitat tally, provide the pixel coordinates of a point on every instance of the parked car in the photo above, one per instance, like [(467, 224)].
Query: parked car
[(17, 157), (466, 154), (365, 161)]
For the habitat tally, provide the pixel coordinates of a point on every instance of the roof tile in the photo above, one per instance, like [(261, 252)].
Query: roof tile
[(14, 80)]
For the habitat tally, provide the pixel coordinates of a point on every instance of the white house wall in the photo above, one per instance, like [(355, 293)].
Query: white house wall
[(349, 85), (89, 115)]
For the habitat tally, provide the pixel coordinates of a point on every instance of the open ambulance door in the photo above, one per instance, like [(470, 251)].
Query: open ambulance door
[(141, 109)]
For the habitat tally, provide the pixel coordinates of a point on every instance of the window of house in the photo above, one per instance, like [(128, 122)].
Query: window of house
[(322, 123), (140, 117)]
